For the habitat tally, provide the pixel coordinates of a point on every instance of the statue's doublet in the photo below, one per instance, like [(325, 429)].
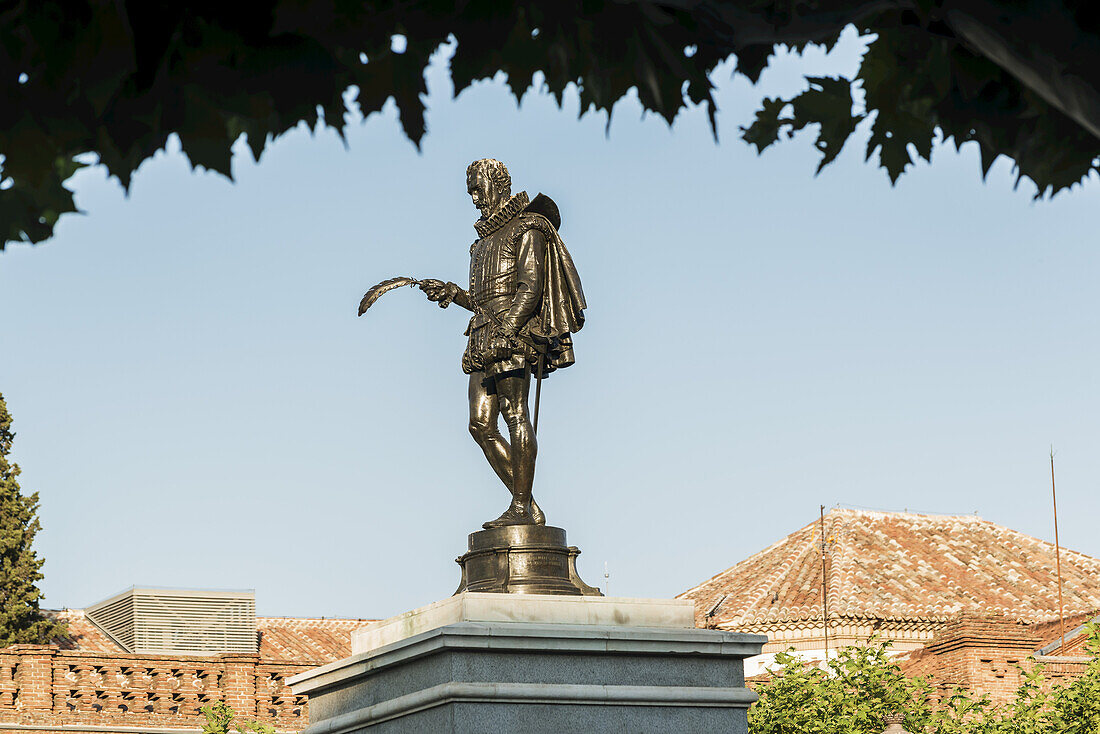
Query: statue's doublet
[(497, 267), (546, 313)]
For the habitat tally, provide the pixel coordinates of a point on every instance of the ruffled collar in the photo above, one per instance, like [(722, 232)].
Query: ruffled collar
[(511, 208)]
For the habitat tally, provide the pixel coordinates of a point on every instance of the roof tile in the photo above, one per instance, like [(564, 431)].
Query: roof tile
[(893, 565)]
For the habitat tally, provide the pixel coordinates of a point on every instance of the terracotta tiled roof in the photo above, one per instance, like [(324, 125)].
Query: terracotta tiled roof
[(316, 640), (83, 635), (1077, 645), (1076, 634), (286, 639), (901, 566)]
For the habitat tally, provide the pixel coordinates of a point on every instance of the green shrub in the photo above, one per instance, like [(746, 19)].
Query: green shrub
[(220, 717), (861, 685)]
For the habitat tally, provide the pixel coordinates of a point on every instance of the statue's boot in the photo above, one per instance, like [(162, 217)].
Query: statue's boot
[(516, 514), (536, 513)]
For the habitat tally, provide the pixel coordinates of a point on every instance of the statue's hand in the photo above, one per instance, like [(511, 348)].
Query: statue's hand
[(440, 292), (503, 341)]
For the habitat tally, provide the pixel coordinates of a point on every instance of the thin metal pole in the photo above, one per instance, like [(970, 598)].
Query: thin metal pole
[(824, 587), (1057, 554), (538, 394)]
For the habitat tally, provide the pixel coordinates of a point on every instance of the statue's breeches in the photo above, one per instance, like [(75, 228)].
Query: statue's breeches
[(482, 354)]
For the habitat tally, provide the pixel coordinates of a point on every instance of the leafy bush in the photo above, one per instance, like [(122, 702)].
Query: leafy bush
[(851, 695), (220, 717), (861, 685)]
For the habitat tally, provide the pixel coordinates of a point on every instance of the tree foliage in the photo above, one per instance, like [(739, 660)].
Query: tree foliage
[(21, 620), (851, 695), (115, 78), (861, 685), (916, 83)]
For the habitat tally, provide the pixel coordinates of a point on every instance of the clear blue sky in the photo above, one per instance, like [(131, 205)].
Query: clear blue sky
[(199, 406)]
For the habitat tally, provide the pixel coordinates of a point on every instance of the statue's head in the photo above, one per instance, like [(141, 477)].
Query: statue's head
[(489, 184)]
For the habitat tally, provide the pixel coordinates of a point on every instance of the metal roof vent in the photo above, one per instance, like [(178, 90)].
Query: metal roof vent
[(158, 621)]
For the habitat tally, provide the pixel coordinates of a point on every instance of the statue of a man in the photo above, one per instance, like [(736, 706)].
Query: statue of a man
[(526, 300)]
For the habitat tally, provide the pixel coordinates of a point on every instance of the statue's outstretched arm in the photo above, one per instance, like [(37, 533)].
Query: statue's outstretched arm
[(462, 298)]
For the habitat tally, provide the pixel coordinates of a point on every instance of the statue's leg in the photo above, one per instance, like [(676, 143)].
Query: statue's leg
[(512, 392), (484, 411)]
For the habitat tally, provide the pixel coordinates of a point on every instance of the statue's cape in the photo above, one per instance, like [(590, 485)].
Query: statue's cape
[(563, 304)]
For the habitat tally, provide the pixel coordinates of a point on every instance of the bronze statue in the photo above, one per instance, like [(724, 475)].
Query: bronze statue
[(527, 301)]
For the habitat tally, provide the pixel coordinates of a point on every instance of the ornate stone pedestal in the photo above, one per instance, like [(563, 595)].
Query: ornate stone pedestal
[(522, 559), (503, 663)]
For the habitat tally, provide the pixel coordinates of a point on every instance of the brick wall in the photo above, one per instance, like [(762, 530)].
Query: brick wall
[(42, 685), (984, 655)]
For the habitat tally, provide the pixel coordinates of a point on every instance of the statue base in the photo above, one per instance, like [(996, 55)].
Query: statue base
[(505, 663), (522, 559)]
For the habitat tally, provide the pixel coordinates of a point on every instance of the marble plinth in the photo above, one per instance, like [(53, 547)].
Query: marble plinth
[(616, 665), (472, 606)]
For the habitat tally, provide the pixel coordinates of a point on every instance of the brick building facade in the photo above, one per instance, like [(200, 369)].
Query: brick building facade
[(990, 654), (88, 683)]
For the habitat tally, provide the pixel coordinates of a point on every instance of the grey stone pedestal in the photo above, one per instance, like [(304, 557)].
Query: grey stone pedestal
[(483, 677)]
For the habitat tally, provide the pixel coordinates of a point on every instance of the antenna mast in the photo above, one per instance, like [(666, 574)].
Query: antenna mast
[(824, 587), (1058, 555)]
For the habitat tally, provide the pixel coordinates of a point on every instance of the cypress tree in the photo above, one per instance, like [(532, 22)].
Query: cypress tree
[(21, 620)]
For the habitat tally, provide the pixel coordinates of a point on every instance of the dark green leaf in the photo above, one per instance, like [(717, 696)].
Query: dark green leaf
[(765, 128)]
